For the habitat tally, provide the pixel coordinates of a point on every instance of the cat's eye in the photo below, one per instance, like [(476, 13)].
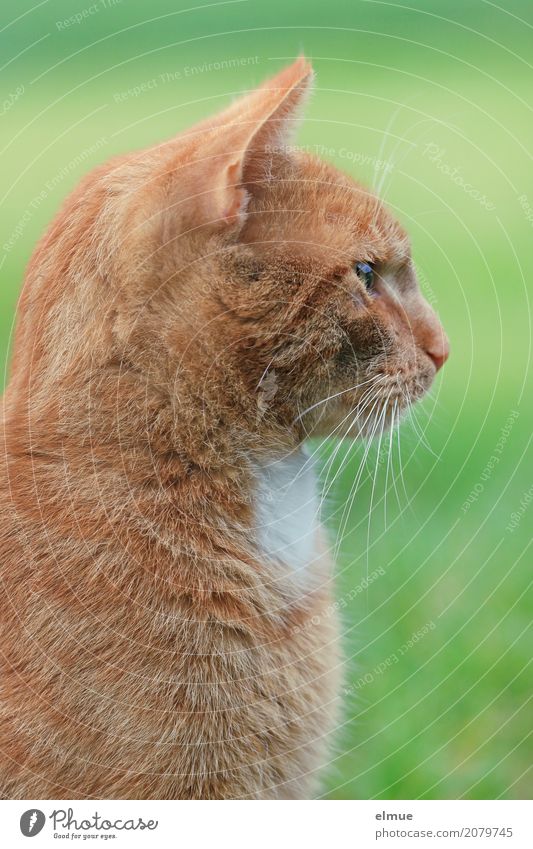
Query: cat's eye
[(365, 272)]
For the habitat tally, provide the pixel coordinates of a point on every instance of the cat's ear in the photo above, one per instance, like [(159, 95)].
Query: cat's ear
[(235, 147)]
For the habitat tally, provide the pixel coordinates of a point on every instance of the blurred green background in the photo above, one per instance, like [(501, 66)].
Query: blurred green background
[(438, 644)]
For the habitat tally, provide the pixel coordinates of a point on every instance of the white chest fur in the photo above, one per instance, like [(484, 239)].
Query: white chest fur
[(287, 517)]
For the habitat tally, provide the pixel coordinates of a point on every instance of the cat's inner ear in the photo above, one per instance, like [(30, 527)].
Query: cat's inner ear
[(243, 138)]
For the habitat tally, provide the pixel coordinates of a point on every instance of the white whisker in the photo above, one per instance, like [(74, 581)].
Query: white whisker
[(327, 438), (408, 500), (381, 426), (398, 499), (355, 484), (389, 460), (340, 469)]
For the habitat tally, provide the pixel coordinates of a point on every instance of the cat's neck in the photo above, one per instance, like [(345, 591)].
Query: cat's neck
[(286, 514)]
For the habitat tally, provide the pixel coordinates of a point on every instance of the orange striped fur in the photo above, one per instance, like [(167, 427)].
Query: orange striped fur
[(150, 647)]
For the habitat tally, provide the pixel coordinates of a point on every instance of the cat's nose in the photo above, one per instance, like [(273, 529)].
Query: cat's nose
[(439, 351)]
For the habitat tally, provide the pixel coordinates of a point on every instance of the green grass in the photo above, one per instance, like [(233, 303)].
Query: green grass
[(449, 715)]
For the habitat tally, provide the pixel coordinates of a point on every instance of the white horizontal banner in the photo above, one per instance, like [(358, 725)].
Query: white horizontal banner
[(276, 825)]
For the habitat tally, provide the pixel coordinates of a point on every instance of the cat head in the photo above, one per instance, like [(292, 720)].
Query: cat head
[(246, 279)]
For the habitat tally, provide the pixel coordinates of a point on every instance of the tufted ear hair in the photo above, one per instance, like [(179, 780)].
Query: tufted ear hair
[(225, 155)]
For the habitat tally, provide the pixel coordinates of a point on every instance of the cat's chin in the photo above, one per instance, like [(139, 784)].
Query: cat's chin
[(372, 419), (348, 428)]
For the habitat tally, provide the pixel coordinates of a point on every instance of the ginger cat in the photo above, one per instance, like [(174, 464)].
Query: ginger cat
[(166, 626)]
